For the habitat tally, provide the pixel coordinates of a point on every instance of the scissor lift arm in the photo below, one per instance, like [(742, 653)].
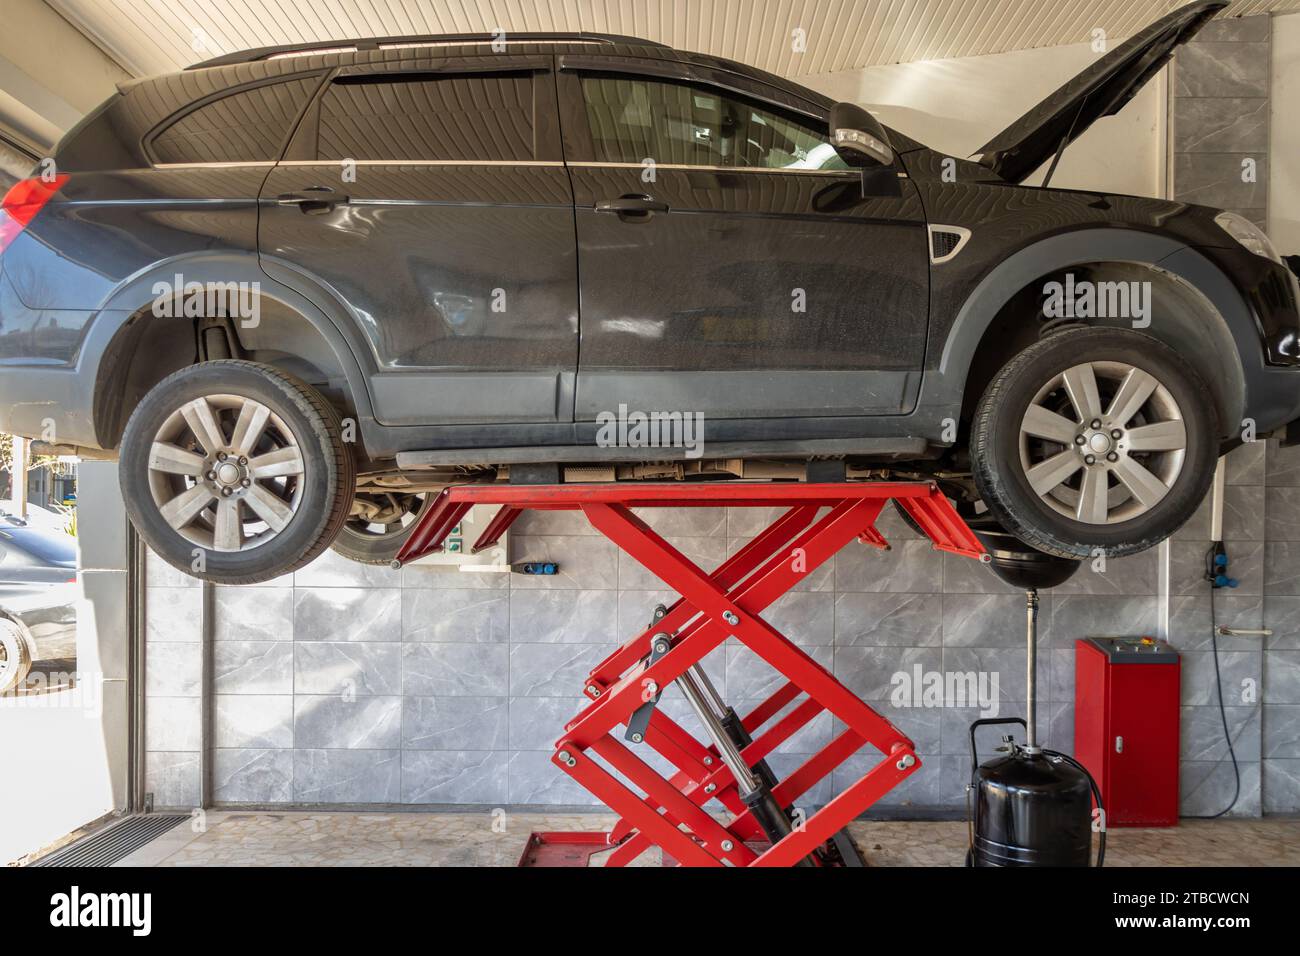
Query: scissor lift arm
[(599, 747)]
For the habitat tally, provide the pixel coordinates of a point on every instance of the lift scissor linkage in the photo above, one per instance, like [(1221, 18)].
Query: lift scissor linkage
[(600, 747)]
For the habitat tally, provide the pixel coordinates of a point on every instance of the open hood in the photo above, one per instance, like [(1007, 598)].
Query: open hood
[(1102, 89)]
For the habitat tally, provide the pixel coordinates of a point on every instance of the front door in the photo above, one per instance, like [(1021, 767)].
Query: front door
[(729, 264), (434, 204)]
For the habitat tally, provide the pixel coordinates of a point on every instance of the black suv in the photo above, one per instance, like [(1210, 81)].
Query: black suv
[(296, 291)]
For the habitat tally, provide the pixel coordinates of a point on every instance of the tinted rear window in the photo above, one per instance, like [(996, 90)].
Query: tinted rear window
[(451, 118), (249, 126)]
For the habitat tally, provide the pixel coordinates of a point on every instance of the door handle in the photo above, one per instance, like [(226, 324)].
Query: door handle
[(313, 200), (1119, 745), (632, 206)]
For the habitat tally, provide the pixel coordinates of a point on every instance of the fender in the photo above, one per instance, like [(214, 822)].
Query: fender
[(1220, 329), (137, 292)]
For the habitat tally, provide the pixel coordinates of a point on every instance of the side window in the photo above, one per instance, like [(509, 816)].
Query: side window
[(474, 117), (676, 124), (249, 126)]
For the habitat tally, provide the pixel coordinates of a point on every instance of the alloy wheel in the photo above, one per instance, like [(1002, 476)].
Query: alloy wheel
[(1103, 442), (226, 472)]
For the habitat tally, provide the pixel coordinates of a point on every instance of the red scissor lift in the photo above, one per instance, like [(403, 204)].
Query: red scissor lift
[(763, 827)]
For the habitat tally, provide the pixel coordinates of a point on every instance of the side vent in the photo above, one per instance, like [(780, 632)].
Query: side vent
[(946, 242)]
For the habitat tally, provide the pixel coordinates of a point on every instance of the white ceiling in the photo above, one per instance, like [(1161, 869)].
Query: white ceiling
[(158, 36)]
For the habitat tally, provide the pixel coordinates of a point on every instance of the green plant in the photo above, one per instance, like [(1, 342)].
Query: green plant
[(69, 513), (33, 461)]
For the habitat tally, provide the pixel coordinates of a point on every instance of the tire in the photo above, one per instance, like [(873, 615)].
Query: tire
[(361, 541), (909, 520), (260, 521), (1114, 508), (15, 656)]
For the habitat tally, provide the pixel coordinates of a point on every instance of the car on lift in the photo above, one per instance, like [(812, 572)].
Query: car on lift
[(298, 290)]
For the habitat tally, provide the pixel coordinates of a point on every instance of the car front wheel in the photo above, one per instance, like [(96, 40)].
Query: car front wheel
[(1094, 440), (236, 472)]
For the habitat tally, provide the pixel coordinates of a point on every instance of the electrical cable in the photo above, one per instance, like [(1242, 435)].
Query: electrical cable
[(1223, 714)]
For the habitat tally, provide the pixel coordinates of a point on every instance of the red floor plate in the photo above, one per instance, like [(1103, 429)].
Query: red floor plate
[(575, 848)]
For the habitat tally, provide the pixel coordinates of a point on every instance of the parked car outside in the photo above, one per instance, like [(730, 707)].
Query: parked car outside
[(38, 616)]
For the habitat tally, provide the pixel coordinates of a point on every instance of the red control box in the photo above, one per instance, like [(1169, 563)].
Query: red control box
[(1126, 698)]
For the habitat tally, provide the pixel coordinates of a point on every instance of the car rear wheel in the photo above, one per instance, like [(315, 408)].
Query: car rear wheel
[(1094, 440), (379, 525), (236, 472), (15, 656)]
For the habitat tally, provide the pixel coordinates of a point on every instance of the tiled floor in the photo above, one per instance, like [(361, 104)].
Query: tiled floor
[(236, 838), (1272, 842)]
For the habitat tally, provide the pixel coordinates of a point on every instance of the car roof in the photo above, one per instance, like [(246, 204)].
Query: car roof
[(378, 44), (277, 61)]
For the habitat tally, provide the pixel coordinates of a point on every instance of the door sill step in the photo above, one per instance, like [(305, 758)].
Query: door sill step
[(887, 448)]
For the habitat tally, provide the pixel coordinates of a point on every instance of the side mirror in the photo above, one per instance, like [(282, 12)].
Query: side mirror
[(859, 138)]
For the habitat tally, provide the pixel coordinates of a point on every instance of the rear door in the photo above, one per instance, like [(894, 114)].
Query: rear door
[(730, 265), (433, 201)]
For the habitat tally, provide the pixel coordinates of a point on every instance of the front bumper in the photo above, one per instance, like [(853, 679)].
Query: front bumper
[(1273, 294), (1259, 302), (1281, 317), (1275, 390)]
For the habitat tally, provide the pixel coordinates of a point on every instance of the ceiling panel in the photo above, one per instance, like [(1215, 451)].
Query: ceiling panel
[(159, 36)]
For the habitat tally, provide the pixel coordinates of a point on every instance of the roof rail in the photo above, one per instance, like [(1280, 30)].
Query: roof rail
[(442, 39)]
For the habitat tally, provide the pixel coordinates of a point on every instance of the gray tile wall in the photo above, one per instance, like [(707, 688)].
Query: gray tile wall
[(1220, 106), (1206, 774), (349, 684), (1280, 689)]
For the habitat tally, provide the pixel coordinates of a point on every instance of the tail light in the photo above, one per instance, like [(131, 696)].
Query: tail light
[(21, 204)]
